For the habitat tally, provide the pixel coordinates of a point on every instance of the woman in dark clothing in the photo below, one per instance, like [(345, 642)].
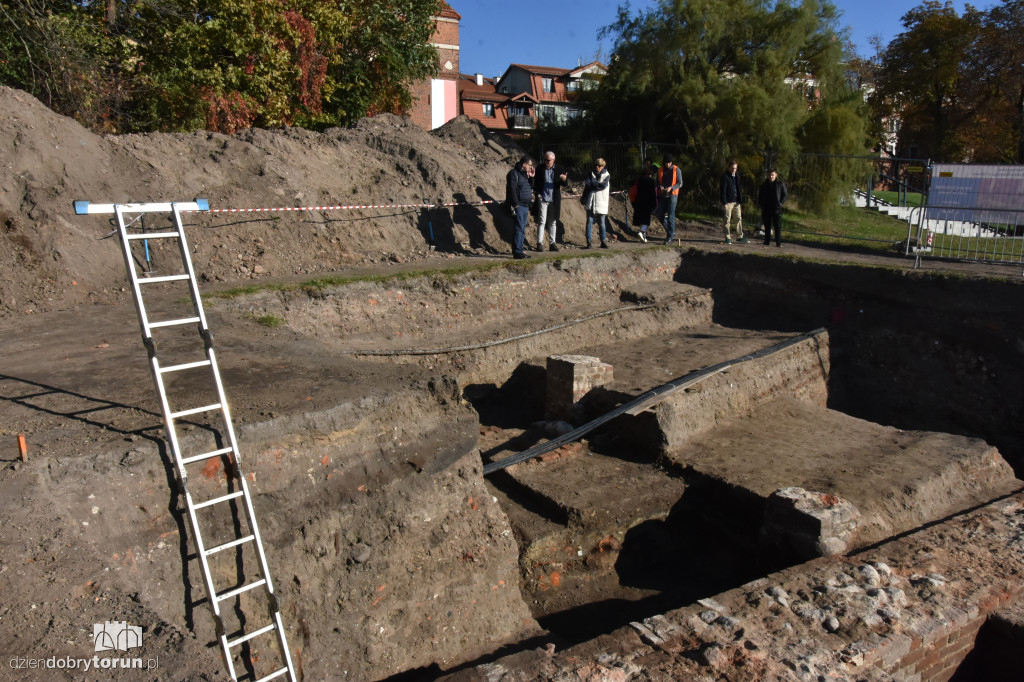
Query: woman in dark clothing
[(770, 198), (645, 201)]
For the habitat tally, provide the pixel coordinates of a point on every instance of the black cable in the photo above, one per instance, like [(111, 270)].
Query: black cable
[(696, 375)]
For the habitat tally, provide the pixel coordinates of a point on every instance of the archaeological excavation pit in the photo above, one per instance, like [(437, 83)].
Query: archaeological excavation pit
[(737, 444)]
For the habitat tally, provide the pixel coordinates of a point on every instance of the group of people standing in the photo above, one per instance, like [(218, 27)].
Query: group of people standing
[(525, 183), (655, 193), (770, 198)]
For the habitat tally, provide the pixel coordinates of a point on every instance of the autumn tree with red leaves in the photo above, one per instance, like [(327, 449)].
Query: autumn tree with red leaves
[(180, 65)]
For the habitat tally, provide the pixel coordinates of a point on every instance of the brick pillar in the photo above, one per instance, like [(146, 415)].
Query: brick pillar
[(569, 378)]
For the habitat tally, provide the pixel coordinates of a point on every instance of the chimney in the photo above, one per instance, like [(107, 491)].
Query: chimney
[(479, 79)]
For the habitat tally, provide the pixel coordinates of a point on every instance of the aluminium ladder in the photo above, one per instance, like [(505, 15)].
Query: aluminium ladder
[(235, 478)]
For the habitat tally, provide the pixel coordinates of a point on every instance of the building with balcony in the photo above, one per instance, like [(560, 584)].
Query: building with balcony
[(526, 96)]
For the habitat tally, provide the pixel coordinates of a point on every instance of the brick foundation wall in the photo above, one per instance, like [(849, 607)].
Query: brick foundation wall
[(909, 610), (937, 647)]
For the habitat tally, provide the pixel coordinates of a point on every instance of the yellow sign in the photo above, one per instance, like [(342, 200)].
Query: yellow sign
[(915, 169), (946, 174)]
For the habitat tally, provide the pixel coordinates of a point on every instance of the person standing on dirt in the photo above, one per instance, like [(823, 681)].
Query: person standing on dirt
[(596, 192), (644, 198), (518, 197), (770, 198), (731, 197), (670, 179), (547, 186)]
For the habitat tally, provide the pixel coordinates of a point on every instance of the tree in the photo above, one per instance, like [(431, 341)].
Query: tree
[(994, 82), (921, 77), (147, 65), (731, 79), (229, 64), (67, 56)]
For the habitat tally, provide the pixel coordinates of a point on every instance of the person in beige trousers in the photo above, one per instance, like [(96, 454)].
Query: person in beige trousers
[(731, 196)]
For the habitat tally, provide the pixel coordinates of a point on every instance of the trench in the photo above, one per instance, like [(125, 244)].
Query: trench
[(398, 558), (712, 537)]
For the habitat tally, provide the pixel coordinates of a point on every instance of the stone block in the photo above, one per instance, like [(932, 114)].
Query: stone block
[(569, 379), (809, 523)]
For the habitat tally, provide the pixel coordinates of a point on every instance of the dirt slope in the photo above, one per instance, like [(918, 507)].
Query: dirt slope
[(51, 259)]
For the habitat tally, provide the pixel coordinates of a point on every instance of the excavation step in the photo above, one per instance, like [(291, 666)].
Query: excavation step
[(823, 482), (573, 511)]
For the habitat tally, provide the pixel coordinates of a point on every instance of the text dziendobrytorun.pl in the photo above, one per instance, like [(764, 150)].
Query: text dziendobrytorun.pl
[(84, 664)]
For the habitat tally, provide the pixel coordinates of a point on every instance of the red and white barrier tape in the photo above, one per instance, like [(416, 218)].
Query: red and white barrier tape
[(343, 208)]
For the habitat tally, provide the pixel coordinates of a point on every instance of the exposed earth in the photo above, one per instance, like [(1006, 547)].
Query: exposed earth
[(394, 556)]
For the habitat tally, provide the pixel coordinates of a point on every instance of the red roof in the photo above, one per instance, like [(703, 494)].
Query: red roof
[(550, 70), (578, 69), (448, 13)]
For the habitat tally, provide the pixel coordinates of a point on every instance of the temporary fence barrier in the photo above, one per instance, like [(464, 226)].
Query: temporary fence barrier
[(979, 234)]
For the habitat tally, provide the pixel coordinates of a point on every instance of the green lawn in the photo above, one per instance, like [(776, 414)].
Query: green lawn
[(911, 198), (850, 225)]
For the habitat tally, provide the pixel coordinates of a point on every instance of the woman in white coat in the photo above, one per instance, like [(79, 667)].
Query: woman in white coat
[(597, 190)]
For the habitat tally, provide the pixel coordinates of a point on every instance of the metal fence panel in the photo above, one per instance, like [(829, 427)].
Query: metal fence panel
[(956, 233)]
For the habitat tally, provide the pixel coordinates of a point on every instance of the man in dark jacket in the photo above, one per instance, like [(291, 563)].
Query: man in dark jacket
[(731, 196), (518, 196), (770, 198), (547, 186)]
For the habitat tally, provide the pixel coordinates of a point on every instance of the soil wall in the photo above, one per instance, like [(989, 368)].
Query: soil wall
[(915, 350)]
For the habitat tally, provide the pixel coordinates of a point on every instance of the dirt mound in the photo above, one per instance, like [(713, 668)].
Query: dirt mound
[(53, 259)]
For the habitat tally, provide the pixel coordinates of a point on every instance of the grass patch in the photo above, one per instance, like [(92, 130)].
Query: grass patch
[(848, 225), (269, 320), (868, 229), (315, 286)]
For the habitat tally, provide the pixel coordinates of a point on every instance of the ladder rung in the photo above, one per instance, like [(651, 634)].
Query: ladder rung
[(195, 410), (276, 673), (218, 500), (244, 588), (171, 323), (152, 235), (229, 545), (187, 365), (205, 455), (255, 633), (163, 278)]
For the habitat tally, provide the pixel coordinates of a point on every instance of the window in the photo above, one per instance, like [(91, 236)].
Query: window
[(549, 84), (572, 86), (546, 113), (488, 109)]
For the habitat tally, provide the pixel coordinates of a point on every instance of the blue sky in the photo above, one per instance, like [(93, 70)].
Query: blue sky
[(496, 33)]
